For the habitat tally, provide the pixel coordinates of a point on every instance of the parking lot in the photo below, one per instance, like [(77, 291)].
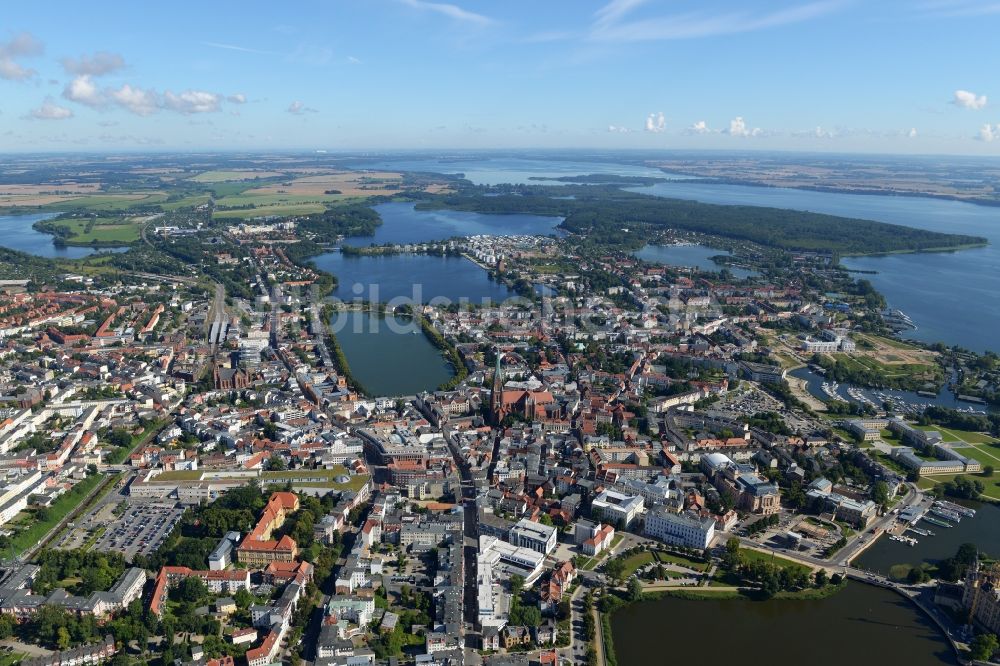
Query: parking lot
[(140, 530)]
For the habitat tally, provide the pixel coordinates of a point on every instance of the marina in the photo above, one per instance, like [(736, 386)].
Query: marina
[(947, 514), (936, 521)]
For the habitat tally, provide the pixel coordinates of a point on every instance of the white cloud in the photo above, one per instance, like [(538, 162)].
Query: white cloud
[(617, 129), (449, 10), (82, 90), (989, 133), (609, 27), (49, 110), (738, 127), (912, 134), (143, 102), (23, 45), (969, 100), (351, 60), (656, 123), (99, 64), (298, 108), (192, 101), (700, 127), (138, 101), (821, 133)]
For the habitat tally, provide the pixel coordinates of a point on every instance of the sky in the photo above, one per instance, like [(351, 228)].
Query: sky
[(885, 76)]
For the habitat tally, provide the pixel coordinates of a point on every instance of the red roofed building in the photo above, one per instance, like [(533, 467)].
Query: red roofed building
[(258, 548)]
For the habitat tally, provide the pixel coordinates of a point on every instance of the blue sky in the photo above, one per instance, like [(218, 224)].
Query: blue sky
[(918, 76)]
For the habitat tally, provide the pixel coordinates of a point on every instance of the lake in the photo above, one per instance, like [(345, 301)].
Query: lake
[(981, 530), (402, 223), (16, 233), (389, 355), (953, 297), (515, 170), (414, 277), (691, 256), (861, 625)]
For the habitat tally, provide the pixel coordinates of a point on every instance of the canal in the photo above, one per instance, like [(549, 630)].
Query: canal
[(862, 626), (389, 354)]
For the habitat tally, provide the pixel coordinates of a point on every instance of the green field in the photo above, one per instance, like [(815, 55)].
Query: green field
[(279, 210), (191, 201), (102, 230), (221, 176), (108, 202)]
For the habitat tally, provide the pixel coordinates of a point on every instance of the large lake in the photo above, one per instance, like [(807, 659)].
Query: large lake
[(519, 170), (389, 355), (953, 297), (861, 626), (414, 277), (402, 223), (16, 233)]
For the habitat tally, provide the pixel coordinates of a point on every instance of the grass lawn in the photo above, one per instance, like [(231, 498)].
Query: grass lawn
[(748, 555), (633, 562), (681, 561), (34, 533), (992, 490), (11, 658)]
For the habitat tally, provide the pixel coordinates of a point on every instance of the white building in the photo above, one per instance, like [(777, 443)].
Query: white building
[(616, 508), (680, 529), (536, 536)]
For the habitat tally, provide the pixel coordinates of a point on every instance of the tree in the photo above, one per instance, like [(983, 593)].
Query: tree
[(821, 578), (983, 646), (634, 589), (63, 640), (276, 464), (880, 493), (988, 470), (615, 568)]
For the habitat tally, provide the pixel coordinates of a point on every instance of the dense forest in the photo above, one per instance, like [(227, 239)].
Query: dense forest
[(611, 216)]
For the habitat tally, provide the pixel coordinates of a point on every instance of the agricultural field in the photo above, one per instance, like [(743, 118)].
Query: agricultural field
[(347, 183), (221, 176), (276, 209), (66, 202)]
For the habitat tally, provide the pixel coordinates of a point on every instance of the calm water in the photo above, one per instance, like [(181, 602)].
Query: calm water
[(402, 223), (414, 277), (389, 355), (814, 383), (692, 256), (515, 170), (16, 233), (953, 297), (982, 530), (861, 626)]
